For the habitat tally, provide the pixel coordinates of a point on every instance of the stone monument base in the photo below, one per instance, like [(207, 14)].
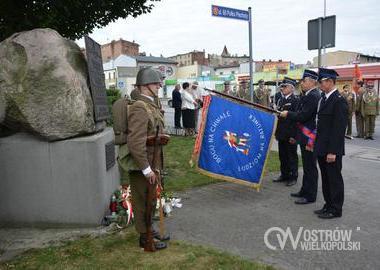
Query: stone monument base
[(64, 183)]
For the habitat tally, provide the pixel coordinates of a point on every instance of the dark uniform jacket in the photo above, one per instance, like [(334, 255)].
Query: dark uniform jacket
[(176, 99), (306, 113), (285, 127), (331, 125)]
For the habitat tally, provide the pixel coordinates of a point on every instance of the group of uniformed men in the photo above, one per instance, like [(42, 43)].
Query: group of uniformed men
[(318, 121)]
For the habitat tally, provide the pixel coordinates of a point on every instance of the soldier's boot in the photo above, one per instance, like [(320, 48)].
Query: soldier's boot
[(157, 244), (165, 237)]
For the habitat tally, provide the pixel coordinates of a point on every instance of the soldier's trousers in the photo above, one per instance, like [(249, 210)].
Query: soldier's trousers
[(332, 184), (369, 126), (288, 160), (359, 124), (139, 190), (349, 125)]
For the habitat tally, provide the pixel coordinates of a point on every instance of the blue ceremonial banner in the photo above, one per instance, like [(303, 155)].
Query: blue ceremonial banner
[(231, 13), (235, 141)]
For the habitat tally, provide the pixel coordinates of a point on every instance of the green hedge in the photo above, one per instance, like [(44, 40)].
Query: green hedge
[(112, 96)]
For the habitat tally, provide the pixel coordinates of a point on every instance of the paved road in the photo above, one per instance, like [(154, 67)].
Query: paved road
[(233, 218)]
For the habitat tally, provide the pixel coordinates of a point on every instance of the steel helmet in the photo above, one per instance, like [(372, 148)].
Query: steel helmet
[(147, 76)]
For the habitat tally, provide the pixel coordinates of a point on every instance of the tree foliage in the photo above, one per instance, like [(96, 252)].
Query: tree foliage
[(71, 18)]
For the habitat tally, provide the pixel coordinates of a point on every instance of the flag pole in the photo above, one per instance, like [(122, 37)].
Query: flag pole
[(243, 101)]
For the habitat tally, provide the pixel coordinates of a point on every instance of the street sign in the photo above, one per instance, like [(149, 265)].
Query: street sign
[(321, 33), (231, 13), (120, 84)]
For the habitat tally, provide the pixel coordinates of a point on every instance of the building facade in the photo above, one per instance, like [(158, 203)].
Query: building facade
[(344, 58), (190, 58), (119, 47)]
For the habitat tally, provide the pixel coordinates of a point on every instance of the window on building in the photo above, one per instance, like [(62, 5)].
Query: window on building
[(109, 76), (221, 73), (114, 75), (233, 72)]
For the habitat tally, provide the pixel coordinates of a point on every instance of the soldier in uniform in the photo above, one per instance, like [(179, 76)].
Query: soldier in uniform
[(329, 145), (286, 135), (227, 88), (137, 156), (261, 95), (243, 92), (369, 110), (351, 101), (358, 115), (306, 131)]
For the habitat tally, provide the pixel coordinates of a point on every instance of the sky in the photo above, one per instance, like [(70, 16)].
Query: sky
[(279, 28)]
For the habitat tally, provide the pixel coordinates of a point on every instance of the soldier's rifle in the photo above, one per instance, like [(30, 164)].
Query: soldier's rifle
[(149, 243)]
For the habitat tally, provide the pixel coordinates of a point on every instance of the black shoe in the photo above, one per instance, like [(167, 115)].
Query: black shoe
[(371, 138), (320, 211), (157, 244), (157, 236), (291, 183), (358, 136), (279, 179), (366, 138), (329, 215), (296, 194), (303, 201)]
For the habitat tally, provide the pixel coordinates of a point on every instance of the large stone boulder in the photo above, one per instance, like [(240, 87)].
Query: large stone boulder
[(43, 83)]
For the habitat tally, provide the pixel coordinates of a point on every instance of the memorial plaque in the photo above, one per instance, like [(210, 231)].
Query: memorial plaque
[(97, 83), (110, 155)]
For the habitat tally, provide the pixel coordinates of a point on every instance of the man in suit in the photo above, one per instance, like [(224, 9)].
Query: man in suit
[(177, 105), (286, 133), (331, 123), (306, 132), (144, 117)]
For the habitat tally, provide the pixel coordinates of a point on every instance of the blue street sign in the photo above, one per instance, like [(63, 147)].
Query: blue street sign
[(231, 13), (120, 85)]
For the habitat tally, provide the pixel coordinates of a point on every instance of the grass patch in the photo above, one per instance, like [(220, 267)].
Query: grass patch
[(118, 251)]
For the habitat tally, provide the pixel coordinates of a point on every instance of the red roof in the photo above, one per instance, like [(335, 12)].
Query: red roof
[(369, 71)]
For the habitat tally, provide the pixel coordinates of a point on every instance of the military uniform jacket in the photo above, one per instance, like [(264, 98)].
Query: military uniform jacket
[(350, 98), (261, 96), (143, 118), (287, 128), (359, 97), (369, 103), (331, 125), (306, 113)]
